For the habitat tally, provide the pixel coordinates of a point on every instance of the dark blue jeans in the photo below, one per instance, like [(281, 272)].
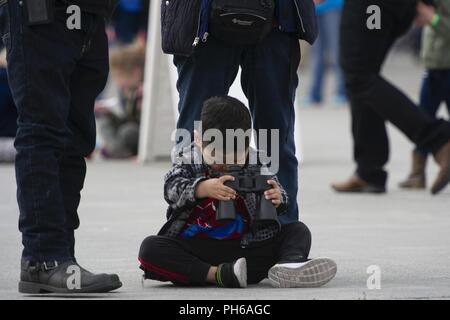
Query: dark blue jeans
[(269, 81), (325, 55), (435, 90), (55, 75)]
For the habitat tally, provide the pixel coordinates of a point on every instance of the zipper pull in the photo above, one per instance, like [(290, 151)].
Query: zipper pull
[(205, 37), (196, 41)]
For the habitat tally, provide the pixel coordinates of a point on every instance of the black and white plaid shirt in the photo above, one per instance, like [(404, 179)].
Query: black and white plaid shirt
[(179, 192)]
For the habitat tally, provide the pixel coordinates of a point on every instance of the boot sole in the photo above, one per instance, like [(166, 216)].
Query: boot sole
[(412, 187), (313, 274), (373, 190), (38, 288)]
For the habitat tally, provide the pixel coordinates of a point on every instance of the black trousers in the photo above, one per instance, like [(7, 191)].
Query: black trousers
[(373, 99), (187, 261)]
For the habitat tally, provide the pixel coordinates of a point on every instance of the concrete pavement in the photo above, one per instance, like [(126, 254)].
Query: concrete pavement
[(406, 234)]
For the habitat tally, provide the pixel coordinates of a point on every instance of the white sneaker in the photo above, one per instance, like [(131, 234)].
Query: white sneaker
[(311, 274), (240, 272), (232, 275)]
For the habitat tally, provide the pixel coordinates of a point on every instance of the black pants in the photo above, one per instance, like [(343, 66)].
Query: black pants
[(55, 75), (373, 99), (187, 261)]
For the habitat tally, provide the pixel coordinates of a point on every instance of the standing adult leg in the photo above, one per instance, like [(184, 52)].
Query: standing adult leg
[(332, 32), (209, 72), (431, 97), (269, 80), (318, 62), (86, 82), (380, 95), (41, 61), (363, 52)]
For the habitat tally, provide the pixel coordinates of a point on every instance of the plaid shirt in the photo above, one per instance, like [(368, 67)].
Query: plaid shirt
[(179, 192)]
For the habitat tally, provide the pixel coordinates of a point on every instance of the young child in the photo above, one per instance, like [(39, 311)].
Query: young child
[(195, 249), (436, 82), (119, 127)]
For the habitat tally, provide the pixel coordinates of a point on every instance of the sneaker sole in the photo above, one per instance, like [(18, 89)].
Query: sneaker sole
[(313, 274), (37, 288)]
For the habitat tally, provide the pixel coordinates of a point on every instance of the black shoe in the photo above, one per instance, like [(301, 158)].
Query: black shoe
[(64, 278), (232, 275)]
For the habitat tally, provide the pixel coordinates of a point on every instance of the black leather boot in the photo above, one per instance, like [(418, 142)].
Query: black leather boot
[(64, 278)]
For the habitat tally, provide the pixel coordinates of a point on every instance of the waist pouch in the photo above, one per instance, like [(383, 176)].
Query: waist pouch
[(241, 22)]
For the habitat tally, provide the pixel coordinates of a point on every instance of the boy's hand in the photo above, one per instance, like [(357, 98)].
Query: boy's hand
[(215, 188), (274, 194)]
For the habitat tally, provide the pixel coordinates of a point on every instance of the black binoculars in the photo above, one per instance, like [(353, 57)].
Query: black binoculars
[(247, 180)]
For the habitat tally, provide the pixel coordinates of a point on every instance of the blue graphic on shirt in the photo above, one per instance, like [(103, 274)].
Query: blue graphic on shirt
[(233, 227)]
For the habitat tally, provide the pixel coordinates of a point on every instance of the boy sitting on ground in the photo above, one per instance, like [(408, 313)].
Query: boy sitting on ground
[(194, 248)]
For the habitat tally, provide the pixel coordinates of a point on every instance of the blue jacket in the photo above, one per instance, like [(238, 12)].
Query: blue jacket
[(130, 5), (329, 5), (180, 17)]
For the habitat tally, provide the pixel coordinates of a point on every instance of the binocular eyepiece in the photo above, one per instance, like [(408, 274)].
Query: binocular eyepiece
[(248, 180)]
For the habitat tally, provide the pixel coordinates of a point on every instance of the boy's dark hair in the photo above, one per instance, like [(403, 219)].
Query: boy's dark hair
[(225, 112)]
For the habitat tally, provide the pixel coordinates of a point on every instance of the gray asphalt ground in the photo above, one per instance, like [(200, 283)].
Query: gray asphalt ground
[(406, 234)]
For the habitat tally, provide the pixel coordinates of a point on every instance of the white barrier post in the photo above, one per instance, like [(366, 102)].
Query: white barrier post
[(160, 98)]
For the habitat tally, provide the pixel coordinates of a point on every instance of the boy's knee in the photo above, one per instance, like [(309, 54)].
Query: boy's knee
[(303, 229), (149, 247), (299, 229)]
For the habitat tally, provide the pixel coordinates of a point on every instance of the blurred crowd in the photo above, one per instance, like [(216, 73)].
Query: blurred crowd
[(118, 110), (118, 115)]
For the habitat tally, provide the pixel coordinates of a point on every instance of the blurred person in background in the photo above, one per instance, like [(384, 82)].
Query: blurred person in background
[(8, 115), (119, 126), (325, 52), (436, 83), (374, 100), (130, 18)]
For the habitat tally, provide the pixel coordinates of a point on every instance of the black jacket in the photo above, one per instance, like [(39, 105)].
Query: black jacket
[(100, 7), (182, 21)]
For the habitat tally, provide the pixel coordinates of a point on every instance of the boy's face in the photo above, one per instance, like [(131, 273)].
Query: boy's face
[(217, 159)]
